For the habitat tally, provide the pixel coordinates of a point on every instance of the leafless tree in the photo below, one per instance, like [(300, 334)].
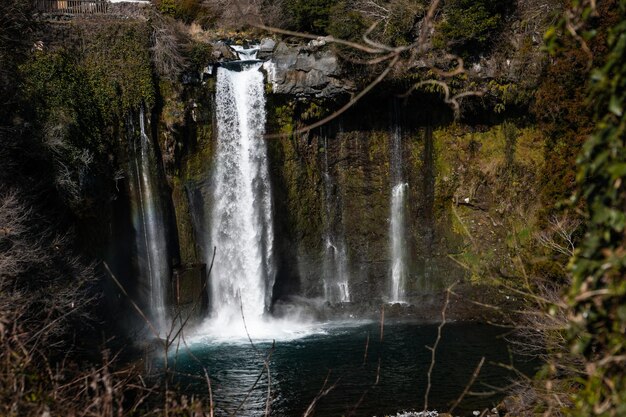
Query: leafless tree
[(166, 47), (559, 235)]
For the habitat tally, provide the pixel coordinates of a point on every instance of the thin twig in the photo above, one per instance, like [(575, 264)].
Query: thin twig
[(322, 393), (343, 109), (433, 349), (468, 386), (135, 306)]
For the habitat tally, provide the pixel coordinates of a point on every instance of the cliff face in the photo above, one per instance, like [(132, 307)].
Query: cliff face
[(463, 208)]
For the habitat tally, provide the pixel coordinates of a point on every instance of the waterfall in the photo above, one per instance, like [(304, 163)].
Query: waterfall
[(397, 229), (335, 274), (149, 225), (241, 219)]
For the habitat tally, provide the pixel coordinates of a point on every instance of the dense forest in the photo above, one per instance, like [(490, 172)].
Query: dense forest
[(442, 161)]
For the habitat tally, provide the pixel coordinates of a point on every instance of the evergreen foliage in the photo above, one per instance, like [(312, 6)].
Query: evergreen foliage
[(598, 293), (469, 25), (309, 15)]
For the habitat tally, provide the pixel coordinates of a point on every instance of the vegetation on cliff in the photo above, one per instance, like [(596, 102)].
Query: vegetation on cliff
[(65, 111)]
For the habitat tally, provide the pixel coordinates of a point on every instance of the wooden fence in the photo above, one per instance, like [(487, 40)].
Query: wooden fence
[(72, 6)]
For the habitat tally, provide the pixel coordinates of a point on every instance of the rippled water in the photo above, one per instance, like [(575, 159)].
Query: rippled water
[(299, 368)]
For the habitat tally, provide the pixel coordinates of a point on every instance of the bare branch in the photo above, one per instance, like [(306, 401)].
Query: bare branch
[(468, 386), (433, 349), (343, 109)]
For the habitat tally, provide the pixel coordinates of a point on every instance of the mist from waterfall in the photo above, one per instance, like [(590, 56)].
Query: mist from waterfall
[(241, 226), (149, 225), (397, 228), (335, 273)]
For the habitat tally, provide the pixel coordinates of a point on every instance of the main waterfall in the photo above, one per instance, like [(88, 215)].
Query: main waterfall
[(241, 227)]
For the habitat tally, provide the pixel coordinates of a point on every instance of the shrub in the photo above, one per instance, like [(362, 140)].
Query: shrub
[(396, 20), (205, 13), (345, 22), (309, 15), (468, 26)]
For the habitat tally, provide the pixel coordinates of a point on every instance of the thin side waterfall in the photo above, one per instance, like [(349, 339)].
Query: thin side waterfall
[(149, 225), (336, 275), (241, 220), (397, 229)]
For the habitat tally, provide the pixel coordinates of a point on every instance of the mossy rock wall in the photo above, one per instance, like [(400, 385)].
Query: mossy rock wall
[(186, 136), (468, 215)]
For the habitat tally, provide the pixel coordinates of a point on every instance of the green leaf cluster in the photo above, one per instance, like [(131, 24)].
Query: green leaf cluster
[(80, 100), (59, 96)]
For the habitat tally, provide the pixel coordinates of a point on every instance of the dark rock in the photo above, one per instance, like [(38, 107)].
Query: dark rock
[(190, 78), (189, 294)]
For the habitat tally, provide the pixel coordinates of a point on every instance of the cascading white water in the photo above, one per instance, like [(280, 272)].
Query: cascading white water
[(149, 226), (397, 229), (241, 220), (336, 279), (336, 275), (246, 54), (398, 250)]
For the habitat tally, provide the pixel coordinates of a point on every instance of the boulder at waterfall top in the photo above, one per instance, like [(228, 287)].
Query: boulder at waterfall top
[(307, 71)]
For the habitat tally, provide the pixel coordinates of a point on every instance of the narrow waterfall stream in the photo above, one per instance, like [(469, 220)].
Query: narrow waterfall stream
[(241, 221), (397, 228), (336, 275), (149, 225)]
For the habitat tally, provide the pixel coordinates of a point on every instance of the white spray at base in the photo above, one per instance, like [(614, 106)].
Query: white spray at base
[(397, 228)]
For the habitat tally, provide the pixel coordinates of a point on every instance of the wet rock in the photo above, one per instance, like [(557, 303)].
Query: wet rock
[(266, 48), (223, 52)]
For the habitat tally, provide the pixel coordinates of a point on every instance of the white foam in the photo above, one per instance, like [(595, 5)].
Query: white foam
[(231, 330), (222, 329)]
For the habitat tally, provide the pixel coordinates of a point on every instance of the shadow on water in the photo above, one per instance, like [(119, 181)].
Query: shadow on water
[(299, 368)]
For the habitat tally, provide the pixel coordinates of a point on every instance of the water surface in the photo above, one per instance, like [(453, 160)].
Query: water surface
[(300, 367)]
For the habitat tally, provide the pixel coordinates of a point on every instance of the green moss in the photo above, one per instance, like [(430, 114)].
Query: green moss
[(197, 163), (71, 128), (482, 183), (173, 111), (118, 67), (61, 100), (199, 55)]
